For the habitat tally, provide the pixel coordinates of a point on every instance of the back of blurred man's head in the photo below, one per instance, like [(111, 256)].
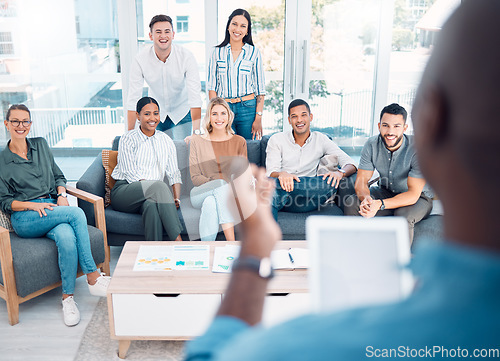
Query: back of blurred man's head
[(456, 119), (458, 103)]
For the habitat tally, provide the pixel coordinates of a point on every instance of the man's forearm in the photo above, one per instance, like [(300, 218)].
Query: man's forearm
[(362, 190), (350, 169), (402, 200), (196, 118), (132, 118), (244, 297)]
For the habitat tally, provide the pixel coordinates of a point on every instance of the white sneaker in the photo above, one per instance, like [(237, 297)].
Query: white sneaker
[(70, 311), (100, 287)]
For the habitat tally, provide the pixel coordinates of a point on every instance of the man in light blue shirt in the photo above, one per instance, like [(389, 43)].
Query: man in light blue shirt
[(454, 310)]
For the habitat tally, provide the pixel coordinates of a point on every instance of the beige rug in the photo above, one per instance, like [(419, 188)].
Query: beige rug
[(97, 345)]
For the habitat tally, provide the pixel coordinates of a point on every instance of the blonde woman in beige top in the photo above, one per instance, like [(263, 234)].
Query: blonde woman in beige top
[(210, 158)]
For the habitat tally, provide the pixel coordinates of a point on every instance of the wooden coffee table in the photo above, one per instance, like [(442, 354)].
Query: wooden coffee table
[(179, 305)]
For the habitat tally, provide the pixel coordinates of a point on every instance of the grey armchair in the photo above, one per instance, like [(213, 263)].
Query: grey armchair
[(29, 266)]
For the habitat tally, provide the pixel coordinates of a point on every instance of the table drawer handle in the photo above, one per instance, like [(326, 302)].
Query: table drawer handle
[(281, 294), (166, 294)]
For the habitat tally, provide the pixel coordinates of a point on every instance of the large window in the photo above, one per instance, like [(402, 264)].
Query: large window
[(71, 79), (67, 78), (415, 28)]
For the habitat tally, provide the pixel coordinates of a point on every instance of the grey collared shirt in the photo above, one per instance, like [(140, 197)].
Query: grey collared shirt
[(283, 154), (394, 167)]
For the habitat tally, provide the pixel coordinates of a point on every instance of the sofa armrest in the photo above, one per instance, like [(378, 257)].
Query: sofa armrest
[(92, 181), (100, 221)]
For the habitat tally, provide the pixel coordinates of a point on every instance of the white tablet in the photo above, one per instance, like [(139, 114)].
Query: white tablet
[(357, 262)]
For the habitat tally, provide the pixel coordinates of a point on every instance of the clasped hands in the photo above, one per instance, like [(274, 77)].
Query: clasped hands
[(369, 207)]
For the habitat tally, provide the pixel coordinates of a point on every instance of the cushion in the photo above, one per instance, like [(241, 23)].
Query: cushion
[(109, 161), (328, 163), (35, 260), (5, 221)]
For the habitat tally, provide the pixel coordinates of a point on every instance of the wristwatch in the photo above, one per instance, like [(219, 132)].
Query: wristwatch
[(258, 113), (341, 171), (63, 194), (382, 207), (260, 266), (197, 132)]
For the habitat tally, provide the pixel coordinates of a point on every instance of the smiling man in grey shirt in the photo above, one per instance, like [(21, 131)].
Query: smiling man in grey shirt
[(401, 189)]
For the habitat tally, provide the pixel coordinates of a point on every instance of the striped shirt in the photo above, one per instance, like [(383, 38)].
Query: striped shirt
[(232, 79), (143, 157)]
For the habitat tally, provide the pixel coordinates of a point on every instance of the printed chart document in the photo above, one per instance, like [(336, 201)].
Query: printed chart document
[(224, 258), (191, 257), (292, 258), (167, 258), (154, 258)]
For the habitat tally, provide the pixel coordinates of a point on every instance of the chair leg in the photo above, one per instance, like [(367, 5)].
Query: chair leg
[(12, 311), (9, 279)]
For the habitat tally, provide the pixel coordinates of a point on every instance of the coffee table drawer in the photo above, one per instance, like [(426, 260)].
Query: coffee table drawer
[(163, 315), (282, 307)]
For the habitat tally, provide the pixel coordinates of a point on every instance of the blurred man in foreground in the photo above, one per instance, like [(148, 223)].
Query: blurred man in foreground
[(454, 311)]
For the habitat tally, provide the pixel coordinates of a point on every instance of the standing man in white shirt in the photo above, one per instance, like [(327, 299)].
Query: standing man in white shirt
[(171, 72), (293, 158)]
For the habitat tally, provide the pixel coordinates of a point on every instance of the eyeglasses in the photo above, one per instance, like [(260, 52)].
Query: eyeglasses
[(16, 123)]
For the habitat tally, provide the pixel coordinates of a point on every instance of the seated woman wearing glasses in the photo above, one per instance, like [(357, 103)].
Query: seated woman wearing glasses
[(210, 159), (33, 192), (145, 156)]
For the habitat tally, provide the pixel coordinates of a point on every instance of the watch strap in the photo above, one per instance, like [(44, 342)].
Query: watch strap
[(382, 206), (261, 266)]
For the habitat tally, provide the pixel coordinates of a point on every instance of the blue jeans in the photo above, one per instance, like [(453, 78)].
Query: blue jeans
[(212, 198), (67, 226), (244, 116), (307, 195), (177, 131)]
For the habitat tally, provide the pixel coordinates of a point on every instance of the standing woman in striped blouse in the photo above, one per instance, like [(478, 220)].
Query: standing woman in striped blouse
[(236, 73), (145, 155)]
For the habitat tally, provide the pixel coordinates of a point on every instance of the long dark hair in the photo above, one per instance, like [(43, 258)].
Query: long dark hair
[(145, 101), (247, 38)]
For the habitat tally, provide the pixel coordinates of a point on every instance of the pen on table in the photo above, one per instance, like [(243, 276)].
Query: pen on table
[(290, 255)]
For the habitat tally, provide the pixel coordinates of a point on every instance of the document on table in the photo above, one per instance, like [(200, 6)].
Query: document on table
[(191, 257), (154, 258), (224, 258), (167, 258)]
